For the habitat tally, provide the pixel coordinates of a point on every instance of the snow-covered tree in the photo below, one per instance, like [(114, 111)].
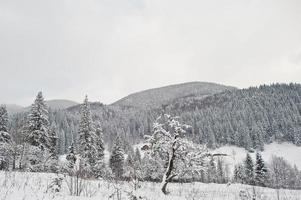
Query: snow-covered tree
[(4, 135), (260, 171), (179, 155), (86, 138), (38, 124), (117, 158), (37, 135), (151, 168), (211, 171), (282, 174), (71, 158), (53, 150), (137, 157), (239, 173), (221, 171), (5, 139), (249, 170), (99, 166)]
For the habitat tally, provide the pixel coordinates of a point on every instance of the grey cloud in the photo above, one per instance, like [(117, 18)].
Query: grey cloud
[(68, 48)]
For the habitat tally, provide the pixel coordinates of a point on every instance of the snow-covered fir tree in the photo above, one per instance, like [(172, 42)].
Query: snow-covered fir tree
[(37, 135), (117, 158), (129, 168), (99, 166), (5, 139), (38, 124), (137, 156), (71, 158), (260, 173), (249, 170), (86, 139), (53, 150), (4, 135), (239, 173)]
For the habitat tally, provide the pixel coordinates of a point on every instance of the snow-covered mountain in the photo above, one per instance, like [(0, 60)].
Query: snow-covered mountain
[(58, 104), (160, 96), (54, 104), (13, 108)]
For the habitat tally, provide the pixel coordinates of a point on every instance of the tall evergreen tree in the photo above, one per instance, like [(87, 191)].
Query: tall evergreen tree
[(249, 170), (86, 138), (260, 171), (4, 135), (53, 150), (38, 124), (99, 166), (37, 135), (117, 158), (5, 139), (71, 158)]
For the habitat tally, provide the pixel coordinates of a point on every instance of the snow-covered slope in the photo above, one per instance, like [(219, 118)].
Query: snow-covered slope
[(286, 150), (57, 104), (13, 108), (163, 95)]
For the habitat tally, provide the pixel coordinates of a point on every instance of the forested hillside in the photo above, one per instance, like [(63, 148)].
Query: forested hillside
[(247, 118)]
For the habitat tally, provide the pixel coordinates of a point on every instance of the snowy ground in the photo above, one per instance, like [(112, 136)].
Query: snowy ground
[(288, 151), (34, 186)]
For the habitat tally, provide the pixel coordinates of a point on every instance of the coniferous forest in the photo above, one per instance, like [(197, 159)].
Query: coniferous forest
[(34, 139)]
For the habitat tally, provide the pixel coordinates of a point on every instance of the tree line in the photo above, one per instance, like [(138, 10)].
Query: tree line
[(170, 154)]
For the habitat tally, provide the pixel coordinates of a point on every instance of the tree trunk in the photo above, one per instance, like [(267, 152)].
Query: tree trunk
[(167, 176)]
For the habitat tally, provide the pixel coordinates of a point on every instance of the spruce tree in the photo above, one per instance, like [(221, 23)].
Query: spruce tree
[(117, 158), (137, 157), (37, 135), (260, 171), (53, 150), (5, 139), (249, 170), (86, 138), (71, 158), (238, 174), (99, 166), (4, 135), (38, 124)]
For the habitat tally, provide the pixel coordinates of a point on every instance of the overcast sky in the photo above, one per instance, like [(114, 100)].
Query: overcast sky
[(110, 48)]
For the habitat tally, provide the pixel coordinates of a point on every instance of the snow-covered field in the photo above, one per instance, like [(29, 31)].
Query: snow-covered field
[(35, 186), (288, 151)]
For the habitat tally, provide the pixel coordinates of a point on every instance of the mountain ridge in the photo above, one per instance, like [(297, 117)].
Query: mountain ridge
[(156, 97)]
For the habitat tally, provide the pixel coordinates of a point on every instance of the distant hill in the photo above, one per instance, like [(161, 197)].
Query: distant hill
[(161, 96), (13, 108), (58, 104)]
